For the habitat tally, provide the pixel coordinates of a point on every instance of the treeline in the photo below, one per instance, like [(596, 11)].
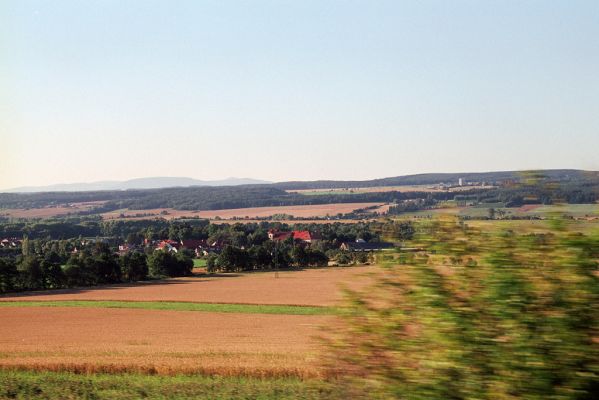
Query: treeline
[(550, 193), (44, 262), (268, 255), (562, 175), (51, 232), (194, 198), (93, 266)]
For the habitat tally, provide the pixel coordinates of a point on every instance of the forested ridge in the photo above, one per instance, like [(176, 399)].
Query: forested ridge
[(512, 188)]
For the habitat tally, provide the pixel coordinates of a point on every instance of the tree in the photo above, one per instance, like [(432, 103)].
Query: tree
[(8, 275), (104, 263), (260, 257), (52, 272), (77, 272), (300, 256), (30, 273), (166, 264), (211, 262), (233, 259), (134, 266)]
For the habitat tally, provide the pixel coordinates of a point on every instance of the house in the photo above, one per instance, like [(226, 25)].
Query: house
[(10, 242), (300, 236), (169, 245), (128, 248), (198, 246), (365, 246)]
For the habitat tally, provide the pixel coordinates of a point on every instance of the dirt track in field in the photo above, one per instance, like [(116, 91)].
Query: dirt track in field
[(118, 340), (314, 287)]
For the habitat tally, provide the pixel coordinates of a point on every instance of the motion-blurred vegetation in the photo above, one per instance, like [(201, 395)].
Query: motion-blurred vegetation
[(476, 315)]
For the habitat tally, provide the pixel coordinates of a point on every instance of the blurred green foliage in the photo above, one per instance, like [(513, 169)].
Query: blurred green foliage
[(476, 315)]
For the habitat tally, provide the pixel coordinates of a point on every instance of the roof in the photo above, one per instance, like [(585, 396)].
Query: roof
[(192, 243)]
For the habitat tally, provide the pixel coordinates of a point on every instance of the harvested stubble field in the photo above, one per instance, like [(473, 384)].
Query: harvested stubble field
[(310, 287), (306, 211), (260, 339)]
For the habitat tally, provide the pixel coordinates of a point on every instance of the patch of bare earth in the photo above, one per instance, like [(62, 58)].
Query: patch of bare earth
[(163, 342), (313, 287)]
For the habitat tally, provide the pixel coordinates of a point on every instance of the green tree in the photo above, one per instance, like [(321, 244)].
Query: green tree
[(30, 273), (167, 264), (134, 266), (8, 275)]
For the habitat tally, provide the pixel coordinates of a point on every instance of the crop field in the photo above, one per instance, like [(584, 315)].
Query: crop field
[(254, 325), (311, 287), (305, 211), (156, 341), (48, 212)]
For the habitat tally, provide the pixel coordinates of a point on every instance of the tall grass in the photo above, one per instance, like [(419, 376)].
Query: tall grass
[(64, 385)]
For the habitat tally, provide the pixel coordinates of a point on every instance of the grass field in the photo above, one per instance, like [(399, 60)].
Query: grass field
[(58, 386), (179, 306), (588, 211), (199, 262)]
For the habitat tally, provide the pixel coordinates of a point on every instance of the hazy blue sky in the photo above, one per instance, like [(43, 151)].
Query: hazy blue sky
[(278, 90)]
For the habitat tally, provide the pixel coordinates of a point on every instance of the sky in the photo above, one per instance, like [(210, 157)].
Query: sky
[(294, 90)]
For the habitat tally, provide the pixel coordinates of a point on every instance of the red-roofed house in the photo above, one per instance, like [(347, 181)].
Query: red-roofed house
[(301, 236), (169, 245)]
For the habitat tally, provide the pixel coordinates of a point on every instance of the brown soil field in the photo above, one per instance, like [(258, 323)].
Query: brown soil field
[(47, 212), (320, 210), (164, 342), (313, 287)]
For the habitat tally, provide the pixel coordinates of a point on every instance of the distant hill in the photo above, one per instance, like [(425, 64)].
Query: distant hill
[(571, 186), (562, 175), (139, 183)]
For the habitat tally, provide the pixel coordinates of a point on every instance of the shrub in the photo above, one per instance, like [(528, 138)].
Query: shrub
[(477, 316)]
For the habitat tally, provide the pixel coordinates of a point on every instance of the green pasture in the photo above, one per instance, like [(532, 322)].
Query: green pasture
[(179, 306)]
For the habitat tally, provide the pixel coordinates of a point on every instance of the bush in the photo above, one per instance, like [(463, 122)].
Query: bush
[(478, 316)]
